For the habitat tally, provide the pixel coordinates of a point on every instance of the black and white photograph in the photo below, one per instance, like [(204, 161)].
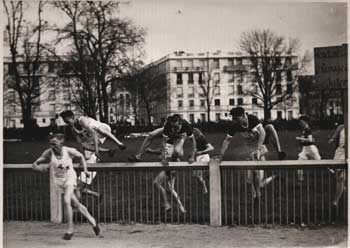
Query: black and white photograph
[(177, 124)]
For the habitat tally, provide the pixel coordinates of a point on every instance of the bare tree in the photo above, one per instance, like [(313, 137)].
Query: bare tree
[(98, 35), (25, 41), (209, 86), (271, 55)]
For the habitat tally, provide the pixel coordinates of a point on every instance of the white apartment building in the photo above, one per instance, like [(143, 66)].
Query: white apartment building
[(231, 74)]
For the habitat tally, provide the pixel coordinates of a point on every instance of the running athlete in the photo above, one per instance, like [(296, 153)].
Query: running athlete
[(91, 134), (338, 139), (253, 133), (309, 151), (60, 160), (177, 131), (203, 148)]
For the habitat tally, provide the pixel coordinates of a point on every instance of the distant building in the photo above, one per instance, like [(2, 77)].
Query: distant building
[(179, 76)]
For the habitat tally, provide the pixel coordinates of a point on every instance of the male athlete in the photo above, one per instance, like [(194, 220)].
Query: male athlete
[(253, 134), (338, 139), (60, 159)]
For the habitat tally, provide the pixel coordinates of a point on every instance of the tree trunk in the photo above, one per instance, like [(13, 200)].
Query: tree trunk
[(267, 113), (28, 132), (148, 110), (105, 105)]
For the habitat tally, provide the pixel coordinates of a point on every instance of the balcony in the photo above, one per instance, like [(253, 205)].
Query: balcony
[(188, 69), (236, 68)]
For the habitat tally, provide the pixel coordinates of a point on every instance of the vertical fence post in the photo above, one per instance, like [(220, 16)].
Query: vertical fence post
[(55, 201), (215, 192)]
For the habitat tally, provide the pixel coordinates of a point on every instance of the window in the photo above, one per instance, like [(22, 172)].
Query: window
[(202, 103), (239, 89), (288, 61), (279, 114), (127, 100), (52, 95), (12, 96), (11, 69), (289, 76), (13, 123), (217, 102), (111, 110), (191, 103), (203, 117), (254, 101), (180, 103), (238, 61), (179, 92), (290, 88), (52, 83), (278, 89), (290, 115), (200, 62), (200, 78), (216, 77), (231, 77), (230, 62), (231, 101), (217, 90), (21, 121), (44, 120), (179, 78), (179, 63), (201, 90), (278, 76), (190, 63), (240, 101), (216, 64), (13, 109), (191, 92), (217, 117), (191, 117), (231, 89), (190, 78)]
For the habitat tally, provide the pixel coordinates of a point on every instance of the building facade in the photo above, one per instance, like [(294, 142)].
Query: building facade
[(182, 74)]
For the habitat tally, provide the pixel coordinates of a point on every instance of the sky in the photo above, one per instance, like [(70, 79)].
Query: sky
[(210, 25)]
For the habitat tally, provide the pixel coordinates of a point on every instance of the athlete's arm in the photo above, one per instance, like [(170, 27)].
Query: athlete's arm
[(147, 141), (336, 134), (44, 157), (85, 125), (208, 149), (261, 139), (194, 150), (271, 129), (225, 145), (73, 153)]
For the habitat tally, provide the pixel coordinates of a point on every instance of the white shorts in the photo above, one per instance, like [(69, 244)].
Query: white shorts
[(106, 128), (70, 180), (203, 158), (169, 150), (339, 153), (309, 153)]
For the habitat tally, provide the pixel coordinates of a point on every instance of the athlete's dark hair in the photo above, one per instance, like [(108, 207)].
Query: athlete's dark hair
[(67, 114), (174, 118), (59, 136), (238, 111), (304, 118)]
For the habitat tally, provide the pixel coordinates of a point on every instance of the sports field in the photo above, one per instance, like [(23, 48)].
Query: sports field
[(27, 152)]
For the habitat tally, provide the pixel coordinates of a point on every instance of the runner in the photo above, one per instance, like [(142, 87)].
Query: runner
[(338, 139), (90, 133), (60, 160), (253, 134), (309, 151)]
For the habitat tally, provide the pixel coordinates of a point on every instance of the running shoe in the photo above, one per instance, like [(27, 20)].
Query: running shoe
[(122, 147), (97, 229), (134, 158), (282, 155), (68, 236)]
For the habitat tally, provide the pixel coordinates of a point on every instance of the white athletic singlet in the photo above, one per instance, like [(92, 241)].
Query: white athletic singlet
[(342, 138), (63, 170)]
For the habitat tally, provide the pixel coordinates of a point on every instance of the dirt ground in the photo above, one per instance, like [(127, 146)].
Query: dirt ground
[(41, 234)]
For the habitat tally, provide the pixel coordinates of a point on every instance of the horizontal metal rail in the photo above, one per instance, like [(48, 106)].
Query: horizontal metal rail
[(293, 164)]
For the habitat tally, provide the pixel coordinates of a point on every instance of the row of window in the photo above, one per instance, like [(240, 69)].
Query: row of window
[(217, 102), (239, 77)]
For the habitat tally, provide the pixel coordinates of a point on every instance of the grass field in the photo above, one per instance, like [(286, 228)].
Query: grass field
[(131, 196), (27, 152)]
